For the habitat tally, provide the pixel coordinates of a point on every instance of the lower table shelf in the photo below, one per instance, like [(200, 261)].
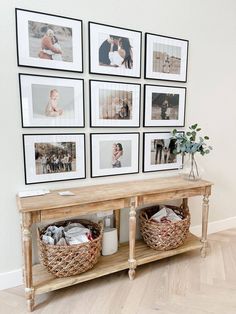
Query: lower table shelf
[(44, 282)]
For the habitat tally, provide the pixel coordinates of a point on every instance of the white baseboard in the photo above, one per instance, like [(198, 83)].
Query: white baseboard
[(11, 279), (215, 226), (14, 278)]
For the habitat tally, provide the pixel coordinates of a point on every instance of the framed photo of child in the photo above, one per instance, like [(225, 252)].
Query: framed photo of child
[(48, 41), (166, 58), (114, 104), (114, 154), (114, 50), (164, 106), (159, 152), (50, 101), (53, 157)]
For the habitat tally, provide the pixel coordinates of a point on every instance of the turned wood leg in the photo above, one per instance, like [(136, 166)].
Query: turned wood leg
[(117, 223), (132, 235), (22, 251), (205, 210), (27, 256)]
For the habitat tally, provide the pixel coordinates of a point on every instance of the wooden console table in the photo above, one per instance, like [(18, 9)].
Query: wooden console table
[(92, 199)]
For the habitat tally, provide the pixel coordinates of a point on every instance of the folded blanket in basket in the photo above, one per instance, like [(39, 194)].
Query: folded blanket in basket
[(73, 233), (166, 214)]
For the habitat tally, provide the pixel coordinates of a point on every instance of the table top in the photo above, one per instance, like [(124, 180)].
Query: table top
[(105, 192)]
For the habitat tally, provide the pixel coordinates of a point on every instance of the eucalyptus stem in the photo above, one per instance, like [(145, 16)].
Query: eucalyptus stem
[(191, 143), (191, 173), (196, 166)]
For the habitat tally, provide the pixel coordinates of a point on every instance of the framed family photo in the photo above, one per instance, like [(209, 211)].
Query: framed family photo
[(50, 101), (166, 58), (48, 41), (114, 50), (164, 106), (114, 104), (53, 157), (158, 152), (114, 154)]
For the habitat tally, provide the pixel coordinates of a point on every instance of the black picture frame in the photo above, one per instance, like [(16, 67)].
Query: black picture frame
[(164, 165), (31, 153), (172, 56), (168, 99), (105, 171), (28, 82), (115, 87), (106, 68), (74, 28)]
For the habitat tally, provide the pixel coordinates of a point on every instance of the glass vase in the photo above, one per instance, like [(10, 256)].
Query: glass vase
[(191, 170)]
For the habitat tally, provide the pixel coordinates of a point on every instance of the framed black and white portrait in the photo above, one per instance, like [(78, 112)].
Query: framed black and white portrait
[(164, 106), (114, 104), (158, 152), (114, 50), (166, 58), (48, 41), (114, 154), (50, 101), (53, 157)]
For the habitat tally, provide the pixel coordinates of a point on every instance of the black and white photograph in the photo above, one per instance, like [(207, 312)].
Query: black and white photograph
[(158, 152), (49, 101), (54, 157), (164, 106), (49, 41), (114, 50), (114, 104), (114, 154), (166, 58)]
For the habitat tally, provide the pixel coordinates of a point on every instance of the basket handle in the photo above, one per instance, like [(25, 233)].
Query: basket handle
[(101, 225), (185, 209), (143, 214)]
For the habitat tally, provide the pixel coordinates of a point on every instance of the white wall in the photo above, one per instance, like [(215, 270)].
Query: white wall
[(210, 27)]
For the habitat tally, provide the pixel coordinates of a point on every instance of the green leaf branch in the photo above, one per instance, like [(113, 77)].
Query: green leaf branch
[(190, 142)]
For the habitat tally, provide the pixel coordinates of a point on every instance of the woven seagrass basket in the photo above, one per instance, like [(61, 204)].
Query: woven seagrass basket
[(165, 235), (69, 260)]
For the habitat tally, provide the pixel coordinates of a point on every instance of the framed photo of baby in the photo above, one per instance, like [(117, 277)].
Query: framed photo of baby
[(53, 157), (114, 154), (164, 106), (159, 152), (166, 58), (114, 104), (48, 41), (114, 50), (49, 101)]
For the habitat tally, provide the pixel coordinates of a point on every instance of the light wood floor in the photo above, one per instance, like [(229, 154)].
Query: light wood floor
[(184, 284)]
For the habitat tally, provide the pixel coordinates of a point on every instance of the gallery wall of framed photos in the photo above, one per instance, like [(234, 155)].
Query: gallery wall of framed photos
[(114, 87)]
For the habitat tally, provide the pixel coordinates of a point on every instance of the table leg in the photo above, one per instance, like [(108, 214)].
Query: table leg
[(205, 211), (27, 256), (117, 223), (132, 235)]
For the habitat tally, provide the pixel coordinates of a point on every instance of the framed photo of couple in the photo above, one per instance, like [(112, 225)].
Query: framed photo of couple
[(114, 50), (114, 154), (48, 41), (114, 104), (166, 58), (164, 106), (50, 101), (53, 157), (158, 152)]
